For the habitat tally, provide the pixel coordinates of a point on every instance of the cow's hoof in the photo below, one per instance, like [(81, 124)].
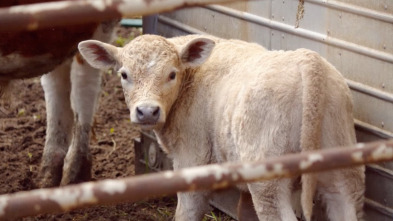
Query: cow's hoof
[(76, 170), (51, 169)]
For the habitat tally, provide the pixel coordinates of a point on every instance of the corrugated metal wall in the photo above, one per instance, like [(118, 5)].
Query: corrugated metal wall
[(354, 35)]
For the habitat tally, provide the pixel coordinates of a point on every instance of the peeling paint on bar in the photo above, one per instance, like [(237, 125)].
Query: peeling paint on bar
[(235, 177), (278, 168), (190, 174), (190, 179), (87, 194), (3, 204), (169, 174), (250, 172), (382, 152), (112, 187), (24, 17), (312, 158), (357, 156), (67, 199), (101, 5), (253, 172), (37, 8)]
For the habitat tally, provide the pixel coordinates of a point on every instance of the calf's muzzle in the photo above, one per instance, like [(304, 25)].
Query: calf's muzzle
[(147, 114)]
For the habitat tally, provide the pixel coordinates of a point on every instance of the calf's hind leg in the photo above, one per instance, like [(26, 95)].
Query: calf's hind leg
[(57, 87), (343, 193)]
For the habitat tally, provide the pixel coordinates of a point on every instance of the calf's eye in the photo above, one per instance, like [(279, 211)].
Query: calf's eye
[(172, 75), (123, 75)]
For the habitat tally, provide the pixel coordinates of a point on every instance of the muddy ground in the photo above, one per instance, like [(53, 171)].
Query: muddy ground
[(22, 138)]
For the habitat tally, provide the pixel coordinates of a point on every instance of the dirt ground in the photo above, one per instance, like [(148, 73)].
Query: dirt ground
[(22, 138)]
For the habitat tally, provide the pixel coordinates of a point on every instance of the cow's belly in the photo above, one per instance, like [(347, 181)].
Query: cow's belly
[(17, 66), (33, 53)]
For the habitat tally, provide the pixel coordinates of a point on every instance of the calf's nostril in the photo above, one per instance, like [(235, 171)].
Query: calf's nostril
[(156, 111), (139, 112)]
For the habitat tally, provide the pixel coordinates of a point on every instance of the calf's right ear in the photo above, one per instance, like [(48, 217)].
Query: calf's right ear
[(98, 54), (196, 52)]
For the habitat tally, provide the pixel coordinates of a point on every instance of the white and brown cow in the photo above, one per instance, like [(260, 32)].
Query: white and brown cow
[(71, 89), (210, 100)]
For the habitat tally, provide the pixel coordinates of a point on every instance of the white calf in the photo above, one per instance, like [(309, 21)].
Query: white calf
[(210, 100)]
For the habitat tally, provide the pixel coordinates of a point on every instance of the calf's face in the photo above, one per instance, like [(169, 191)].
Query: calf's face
[(152, 71)]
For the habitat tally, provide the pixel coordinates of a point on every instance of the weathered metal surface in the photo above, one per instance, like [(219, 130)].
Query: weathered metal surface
[(44, 15), (191, 179), (377, 181), (148, 155)]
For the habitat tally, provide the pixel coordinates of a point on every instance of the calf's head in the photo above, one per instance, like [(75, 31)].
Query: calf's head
[(152, 69)]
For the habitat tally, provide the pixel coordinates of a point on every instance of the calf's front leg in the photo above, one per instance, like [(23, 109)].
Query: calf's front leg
[(192, 206), (272, 200)]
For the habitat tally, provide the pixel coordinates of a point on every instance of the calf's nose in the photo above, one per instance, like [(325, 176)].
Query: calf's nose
[(147, 114)]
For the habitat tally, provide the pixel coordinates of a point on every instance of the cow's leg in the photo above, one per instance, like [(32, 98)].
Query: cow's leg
[(86, 83), (192, 206), (272, 200), (57, 87)]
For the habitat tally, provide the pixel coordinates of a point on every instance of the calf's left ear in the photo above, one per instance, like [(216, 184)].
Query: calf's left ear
[(98, 54), (196, 52)]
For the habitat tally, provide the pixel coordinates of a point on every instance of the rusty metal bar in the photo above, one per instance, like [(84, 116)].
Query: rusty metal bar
[(43, 15), (198, 178)]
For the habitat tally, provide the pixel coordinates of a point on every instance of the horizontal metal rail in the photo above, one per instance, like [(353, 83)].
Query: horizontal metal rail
[(180, 26), (192, 179), (360, 125), (365, 89), (383, 56), (50, 14), (381, 171), (379, 207), (353, 9)]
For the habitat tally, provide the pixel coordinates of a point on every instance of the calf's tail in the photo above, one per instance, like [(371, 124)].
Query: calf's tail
[(313, 96)]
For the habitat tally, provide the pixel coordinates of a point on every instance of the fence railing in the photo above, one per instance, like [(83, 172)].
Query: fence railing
[(49, 14), (213, 176), (21, 204)]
